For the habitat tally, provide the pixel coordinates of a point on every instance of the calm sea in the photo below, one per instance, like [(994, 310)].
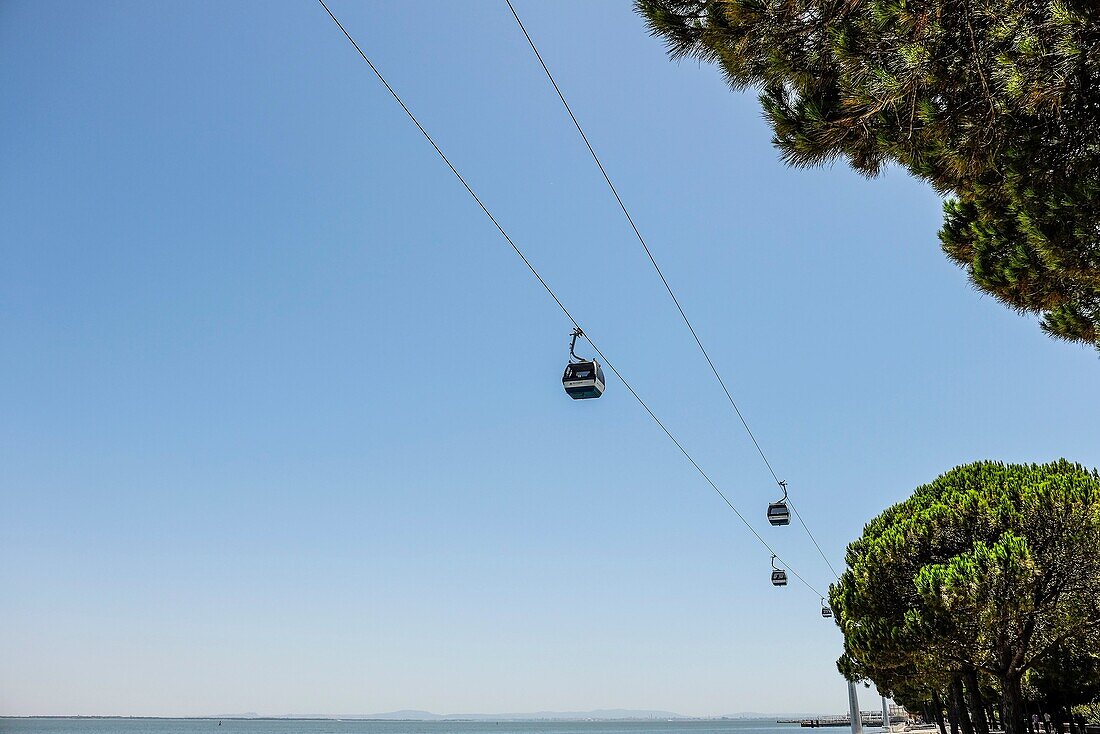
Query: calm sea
[(332, 726)]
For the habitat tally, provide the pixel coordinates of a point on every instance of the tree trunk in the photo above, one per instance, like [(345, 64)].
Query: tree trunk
[(937, 711), (958, 702), (952, 712), (1059, 722), (977, 706), (926, 713), (1012, 705)]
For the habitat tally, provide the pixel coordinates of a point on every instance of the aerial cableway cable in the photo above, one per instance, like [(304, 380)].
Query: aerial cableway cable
[(664, 280), (557, 300)]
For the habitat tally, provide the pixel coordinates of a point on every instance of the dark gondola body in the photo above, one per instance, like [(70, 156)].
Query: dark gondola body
[(583, 380), (779, 577), (779, 513)]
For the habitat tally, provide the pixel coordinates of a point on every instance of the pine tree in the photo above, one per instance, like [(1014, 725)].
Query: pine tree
[(996, 103), (990, 571)]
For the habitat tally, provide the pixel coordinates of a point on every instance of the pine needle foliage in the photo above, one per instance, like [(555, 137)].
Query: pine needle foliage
[(996, 103)]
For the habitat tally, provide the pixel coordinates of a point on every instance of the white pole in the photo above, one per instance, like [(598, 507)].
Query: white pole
[(885, 714), (853, 709)]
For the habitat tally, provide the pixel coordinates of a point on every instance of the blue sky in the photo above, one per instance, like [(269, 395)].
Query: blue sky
[(282, 427)]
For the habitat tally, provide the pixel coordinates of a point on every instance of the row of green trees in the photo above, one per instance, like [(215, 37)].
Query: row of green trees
[(978, 598), (996, 103)]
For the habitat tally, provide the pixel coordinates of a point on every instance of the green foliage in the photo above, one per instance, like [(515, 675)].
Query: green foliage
[(990, 570), (995, 102), (1090, 712)]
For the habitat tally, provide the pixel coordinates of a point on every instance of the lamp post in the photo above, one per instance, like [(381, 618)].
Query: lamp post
[(853, 708)]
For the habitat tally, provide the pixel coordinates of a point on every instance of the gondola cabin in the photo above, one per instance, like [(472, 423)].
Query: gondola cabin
[(583, 380), (779, 577), (826, 612), (779, 513)]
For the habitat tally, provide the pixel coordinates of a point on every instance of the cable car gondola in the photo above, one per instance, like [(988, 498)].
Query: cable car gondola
[(778, 512), (779, 575), (826, 610), (583, 378)]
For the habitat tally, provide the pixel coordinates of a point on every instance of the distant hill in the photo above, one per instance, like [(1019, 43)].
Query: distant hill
[(416, 715), (402, 715), (758, 715)]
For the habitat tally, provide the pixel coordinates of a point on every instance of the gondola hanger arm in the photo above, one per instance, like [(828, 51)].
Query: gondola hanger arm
[(577, 331)]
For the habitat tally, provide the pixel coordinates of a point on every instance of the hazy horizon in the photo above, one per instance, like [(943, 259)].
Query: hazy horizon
[(427, 716)]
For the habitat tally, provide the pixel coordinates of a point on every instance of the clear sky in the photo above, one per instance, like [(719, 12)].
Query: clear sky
[(281, 421)]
